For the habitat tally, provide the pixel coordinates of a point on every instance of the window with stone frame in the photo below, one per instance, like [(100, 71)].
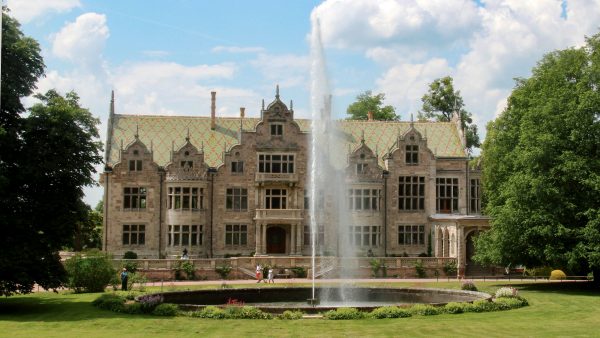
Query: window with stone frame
[(236, 199), (185, 235), (363, 199), (135, 165), (412, 154), (361, 168), (187, 164), (365, 235), (236, 234), (134, 234), (237, 167), (411, 193), (411, 234), (475, 196), (185, 198), (276, 129), (447, 195), (320, 202), (320, 235), (276, 163), (134, 198), (276, 199)]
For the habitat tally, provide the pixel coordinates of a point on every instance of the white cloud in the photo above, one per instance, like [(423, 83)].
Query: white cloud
[(83, 40), (237, 49), (156, 53), (288, 70), (27, 10)]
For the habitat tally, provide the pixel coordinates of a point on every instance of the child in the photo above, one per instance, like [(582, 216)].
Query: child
[(270, 276), (258, 273)]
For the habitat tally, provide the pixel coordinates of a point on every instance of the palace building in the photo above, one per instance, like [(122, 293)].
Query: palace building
[(220, 186)]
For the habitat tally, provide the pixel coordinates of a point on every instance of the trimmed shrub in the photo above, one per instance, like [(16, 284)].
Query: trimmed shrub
[(132, 308), (455, 308), (344, 313), (483, 305), (468, 286), (212, 312), (291, 315), (507, 292), (130, 266), (420, 268), (109, 301), (91, 273), (299, 272), (246, 312), (507, 303), (130, 255), (223, 271), (539, 272), (557, 275), (137, 278), (389, 312), (166, 309), (425, 310), (189, 269)]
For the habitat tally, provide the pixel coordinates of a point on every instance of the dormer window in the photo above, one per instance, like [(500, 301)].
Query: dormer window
[(135, 165), (187, 164), (237, 167), (361, 168), (276, 129), (412, 154)]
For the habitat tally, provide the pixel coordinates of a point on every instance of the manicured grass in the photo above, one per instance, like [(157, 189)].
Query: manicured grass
[(567, 309)]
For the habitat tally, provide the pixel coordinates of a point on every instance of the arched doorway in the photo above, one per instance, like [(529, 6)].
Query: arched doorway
[(275, 240), (472, 267)]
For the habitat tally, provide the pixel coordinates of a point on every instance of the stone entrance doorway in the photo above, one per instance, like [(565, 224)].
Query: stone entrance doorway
[(275, 240), (473, 268)]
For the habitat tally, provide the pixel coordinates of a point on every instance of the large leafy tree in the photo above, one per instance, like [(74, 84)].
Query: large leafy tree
[(440, 103), (542, 167), (88, 231), (367, 102)]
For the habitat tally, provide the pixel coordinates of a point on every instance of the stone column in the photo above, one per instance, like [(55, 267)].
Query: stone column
[(263, 243), (299, 236), (461, 257), (292, 239), (257, 239)]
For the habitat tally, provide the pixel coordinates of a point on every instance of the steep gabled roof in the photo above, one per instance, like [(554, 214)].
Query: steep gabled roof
[(165, 133)]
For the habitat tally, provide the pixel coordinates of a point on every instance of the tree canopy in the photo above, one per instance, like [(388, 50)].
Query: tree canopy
[(367, 102), (47, 159), (440, 103), (542, 167)]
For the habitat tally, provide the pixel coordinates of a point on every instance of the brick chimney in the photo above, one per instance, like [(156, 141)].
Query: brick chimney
[(213, 110), (242, 112), (370, 116)]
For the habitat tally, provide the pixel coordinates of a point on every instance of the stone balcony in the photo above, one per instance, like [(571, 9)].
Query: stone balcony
[(275, 178), (278, 215)]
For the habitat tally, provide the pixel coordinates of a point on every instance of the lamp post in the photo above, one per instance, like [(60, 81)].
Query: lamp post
[(385, 176), (211, 172)]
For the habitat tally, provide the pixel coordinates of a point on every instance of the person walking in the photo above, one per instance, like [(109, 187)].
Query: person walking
[(124, 277), (270, 276), (258, 273)]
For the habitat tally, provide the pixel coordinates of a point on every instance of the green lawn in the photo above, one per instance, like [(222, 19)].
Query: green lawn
[(556, 310)]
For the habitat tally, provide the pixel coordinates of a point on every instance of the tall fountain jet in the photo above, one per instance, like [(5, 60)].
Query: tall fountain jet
[(327, 174)]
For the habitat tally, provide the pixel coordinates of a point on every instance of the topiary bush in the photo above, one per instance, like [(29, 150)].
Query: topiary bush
[(389, 312), (130, 255), (557, 275), (424, 310), (91, 273), (344, 313), (291, 315), (166, 309), (468, 286)]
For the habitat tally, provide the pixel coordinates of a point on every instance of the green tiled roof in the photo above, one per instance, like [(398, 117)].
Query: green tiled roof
[(164, 133)]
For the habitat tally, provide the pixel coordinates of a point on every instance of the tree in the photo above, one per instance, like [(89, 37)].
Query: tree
[(56, 153), (367, 102), (88, 232), (542, 167), (440, 103)]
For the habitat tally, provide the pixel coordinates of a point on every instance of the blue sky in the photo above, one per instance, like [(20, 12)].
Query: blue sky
[(166, 57)]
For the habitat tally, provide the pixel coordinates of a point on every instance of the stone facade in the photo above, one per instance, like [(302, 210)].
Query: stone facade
[(238, 186)]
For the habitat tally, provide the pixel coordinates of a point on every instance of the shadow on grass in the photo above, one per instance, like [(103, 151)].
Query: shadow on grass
[(579, 288), (55, 308)]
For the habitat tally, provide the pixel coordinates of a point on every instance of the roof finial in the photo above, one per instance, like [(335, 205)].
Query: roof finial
[(151, 146), (202, 147), (277, 92), (137, 131), (121, 144), (291, 104), (263, 104), (187, 138), (112, 102), (362, 137)]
